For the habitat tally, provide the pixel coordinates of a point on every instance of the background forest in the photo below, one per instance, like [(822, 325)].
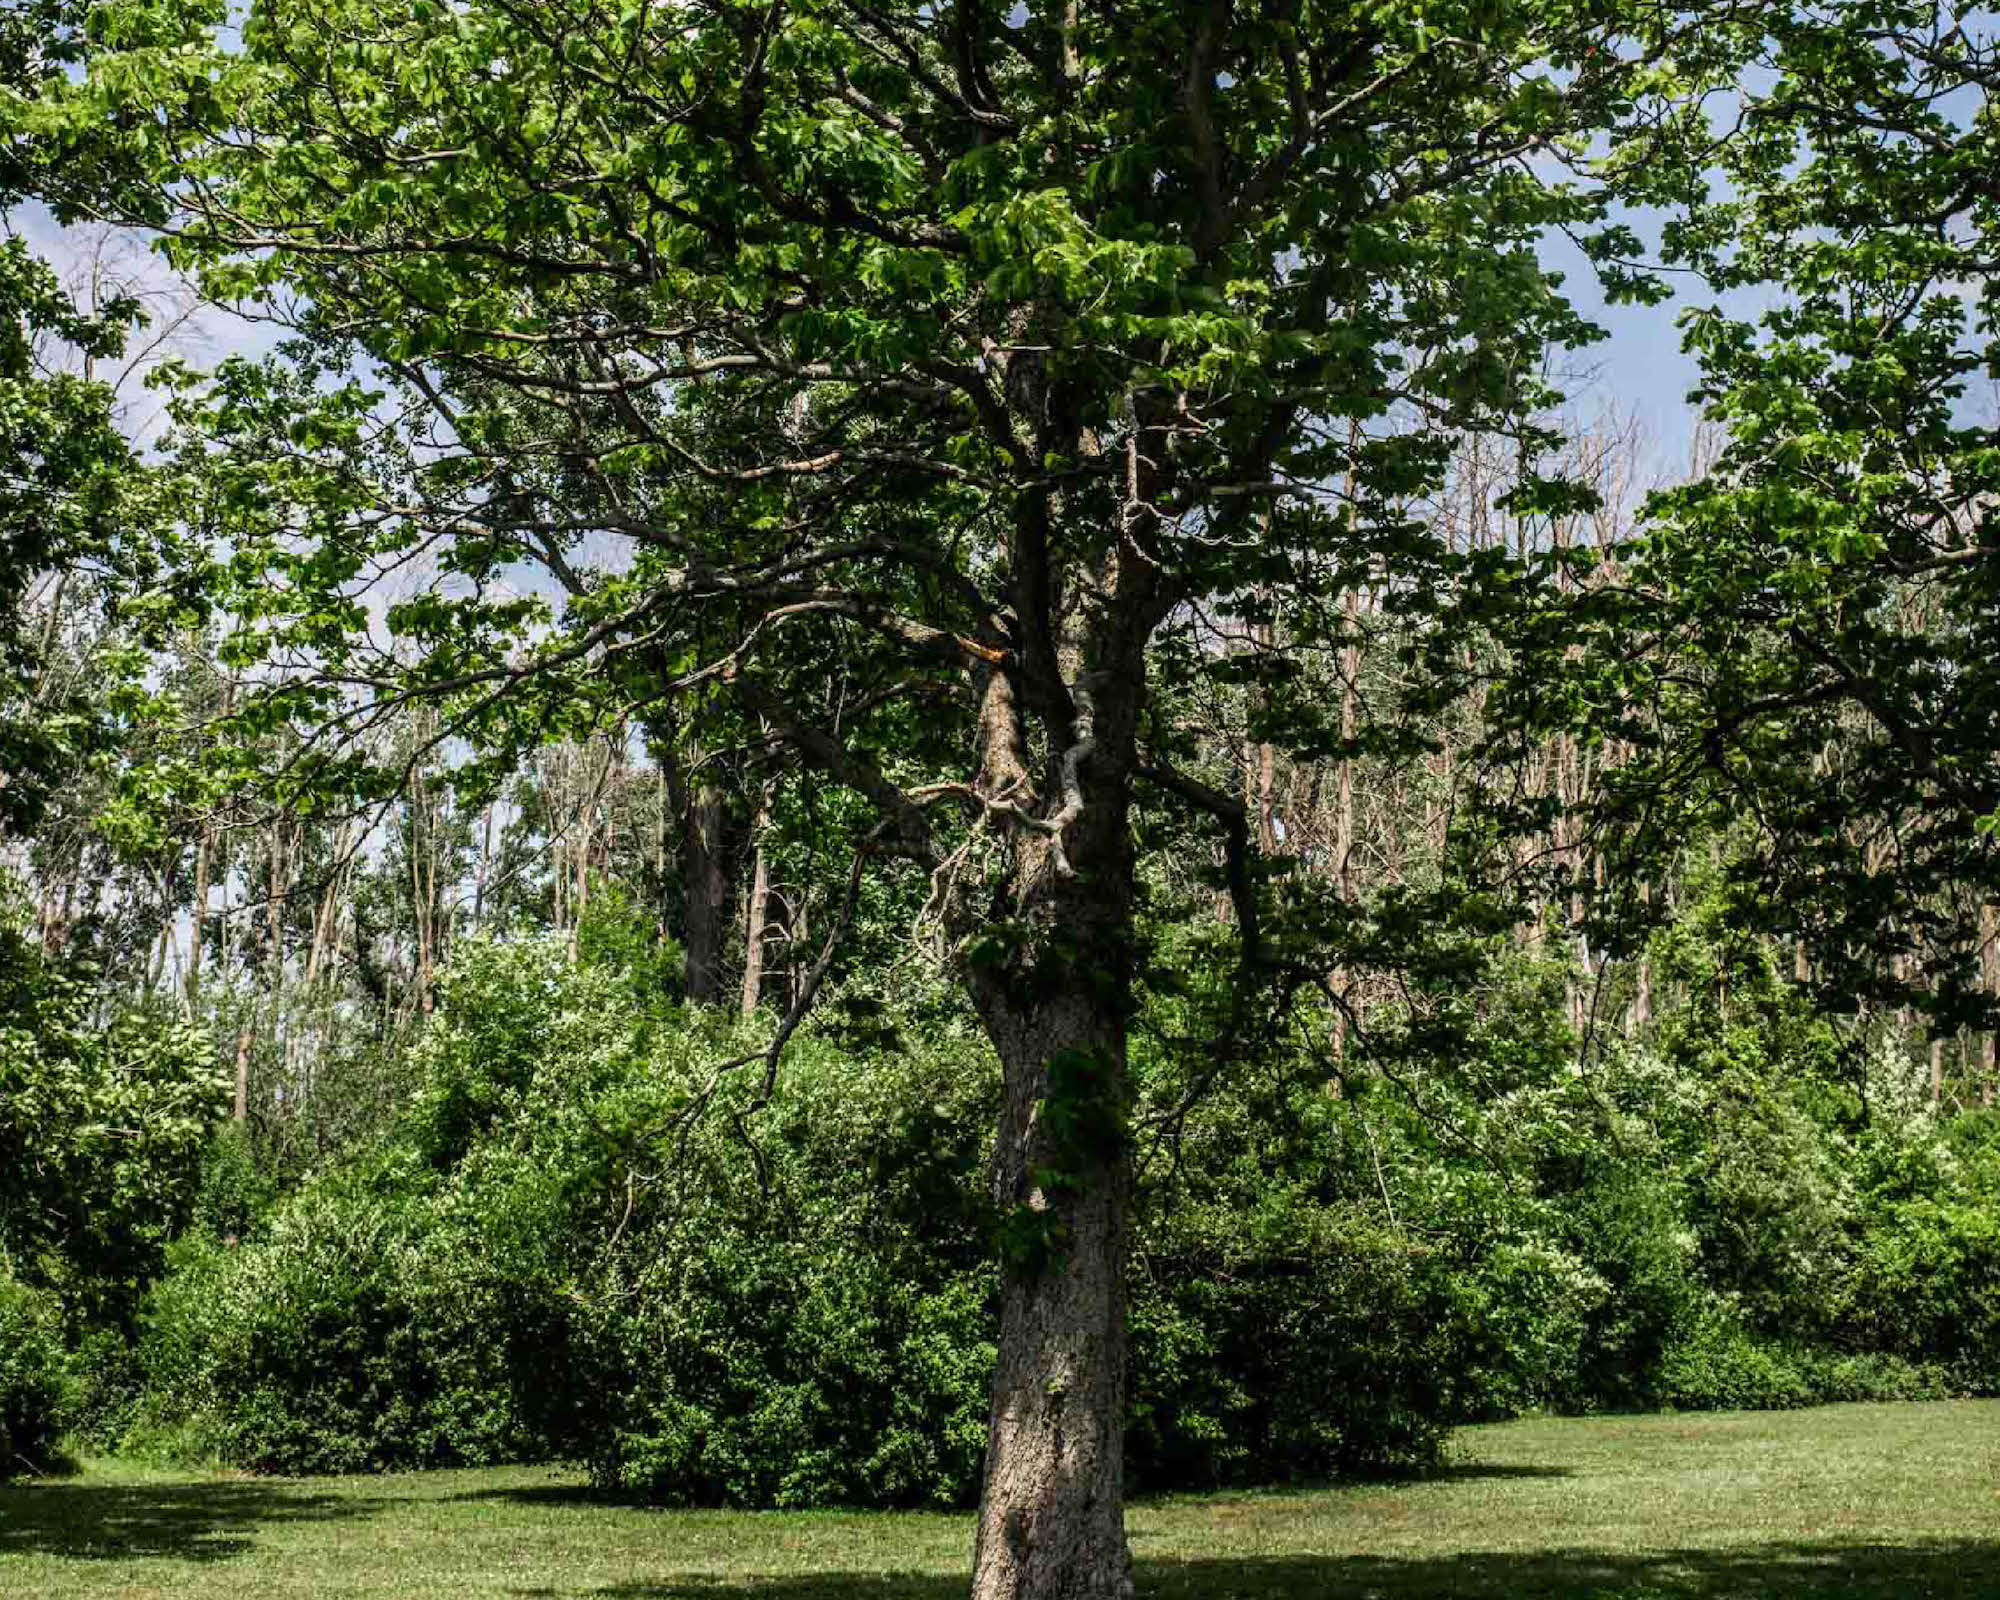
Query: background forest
[(338, 1148), (629, 844)]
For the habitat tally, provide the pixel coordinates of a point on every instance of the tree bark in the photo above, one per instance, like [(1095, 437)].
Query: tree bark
[(708, 919), (1051, 1512), (244, 1035), (199, 917), (1051, 1518), (1989, 967), (756, 913), (704, 867)]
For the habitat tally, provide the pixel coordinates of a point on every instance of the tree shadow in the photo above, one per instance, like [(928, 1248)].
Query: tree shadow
[(551, 1494), (1935, 1570), (586, 1494), (198, 1522), (1473, 1471)]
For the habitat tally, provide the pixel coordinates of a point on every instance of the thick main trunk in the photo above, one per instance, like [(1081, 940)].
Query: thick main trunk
[(1051, 1516), (1052, 1508)]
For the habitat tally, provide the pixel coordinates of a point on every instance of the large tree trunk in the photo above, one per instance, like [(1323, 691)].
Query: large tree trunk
[(1051, 1513), (1051, 1518), (1057, 1007)]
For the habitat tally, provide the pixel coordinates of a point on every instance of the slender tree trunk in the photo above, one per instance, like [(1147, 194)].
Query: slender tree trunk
[(273, 907), (1989, 966), (708, 918), (704, 873), (244, 1035), (756, 914), (199, 915), (484, 868)]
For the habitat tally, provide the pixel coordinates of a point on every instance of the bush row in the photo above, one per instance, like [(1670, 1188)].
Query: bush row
[(577, 1244), (31, 1377), (560, 1252)]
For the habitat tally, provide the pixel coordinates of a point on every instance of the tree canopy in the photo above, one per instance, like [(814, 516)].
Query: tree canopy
[(956, 400)]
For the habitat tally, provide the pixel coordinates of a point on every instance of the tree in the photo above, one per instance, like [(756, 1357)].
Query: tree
[(1803, 644), (938, 393), (64, 478)]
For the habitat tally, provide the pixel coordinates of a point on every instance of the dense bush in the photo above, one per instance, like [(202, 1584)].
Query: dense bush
[(791, 1306), (31, 1377), (1718, 1364), (359, 1332), (408, 1309), (102, 1126), (579, 1240), (1927, 1274)]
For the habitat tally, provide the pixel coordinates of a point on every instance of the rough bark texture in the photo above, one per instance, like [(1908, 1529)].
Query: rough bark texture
[(1051, 1522), (1051, 1516)]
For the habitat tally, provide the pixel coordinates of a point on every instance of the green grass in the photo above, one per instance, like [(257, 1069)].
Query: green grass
[(1852, 1501)]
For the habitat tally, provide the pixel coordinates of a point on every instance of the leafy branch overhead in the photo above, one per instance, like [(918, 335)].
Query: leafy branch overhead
[(998, 435)]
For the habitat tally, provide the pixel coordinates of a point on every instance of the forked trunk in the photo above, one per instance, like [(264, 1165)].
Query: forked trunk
[(1054, 990)]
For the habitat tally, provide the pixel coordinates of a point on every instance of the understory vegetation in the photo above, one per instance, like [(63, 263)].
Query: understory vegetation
[(1838, 1503), (566, 1239)]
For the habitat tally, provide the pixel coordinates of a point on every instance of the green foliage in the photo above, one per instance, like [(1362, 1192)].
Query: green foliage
[(1718, 1364), (809, 1320), (102, 1127), (407, 1309), (1351, 1353), (564, 1247), (232, 1192), (358, 1331), (31, 1377), (1928, 1274), (577, 1239), (85, 523), (1802, 648)]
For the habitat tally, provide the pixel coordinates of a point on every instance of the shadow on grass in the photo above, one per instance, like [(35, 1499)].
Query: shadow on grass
[(587, 1494), (200, 1522), (1473, 1471), (554, 1494), (1961, 1570)]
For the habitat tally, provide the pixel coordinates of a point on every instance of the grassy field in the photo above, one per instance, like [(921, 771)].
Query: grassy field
[(1854, 1501)]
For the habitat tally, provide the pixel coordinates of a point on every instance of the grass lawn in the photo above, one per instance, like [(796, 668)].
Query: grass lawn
[(1855, 1501)]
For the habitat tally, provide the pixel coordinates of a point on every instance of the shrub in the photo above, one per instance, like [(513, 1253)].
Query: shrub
[(796, 1307), (31, 1377), (1343, 1359), (102, 1123), (1928, 1287), (1716, 1365), (1723, 1365), (360, 1331), (579, 1241), (106, 1387)]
